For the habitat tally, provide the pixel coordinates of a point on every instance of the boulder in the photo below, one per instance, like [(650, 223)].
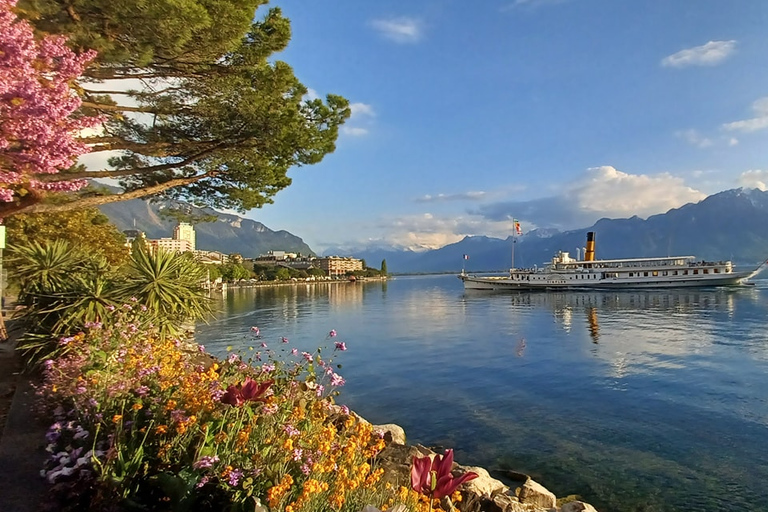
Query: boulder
[(577, 506), (533, 493), (392, 433), (484, 485)]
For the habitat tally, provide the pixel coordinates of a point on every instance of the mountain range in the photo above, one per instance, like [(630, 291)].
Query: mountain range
[(730, 225), (227, 233)]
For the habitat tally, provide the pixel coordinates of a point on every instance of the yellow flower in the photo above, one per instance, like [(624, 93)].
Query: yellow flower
[(116, 418), (137, 407), (161, 429)]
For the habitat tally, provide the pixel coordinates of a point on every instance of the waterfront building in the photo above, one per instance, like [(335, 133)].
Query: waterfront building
[(337, 265), (170, 245)]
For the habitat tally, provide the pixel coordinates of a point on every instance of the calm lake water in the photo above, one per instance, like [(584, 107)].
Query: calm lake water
[(636, 401)]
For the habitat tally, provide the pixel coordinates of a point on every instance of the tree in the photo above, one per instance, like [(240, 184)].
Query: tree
[(86, 228), (37, 126), (217, 122), (384, 267)]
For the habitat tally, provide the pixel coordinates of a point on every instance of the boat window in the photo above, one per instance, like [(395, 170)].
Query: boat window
[(631, 274), (675, 272), (717, 271), (655, 273), (645, 274), (664, 273), (685, 272), (706, 271), (695, 271)]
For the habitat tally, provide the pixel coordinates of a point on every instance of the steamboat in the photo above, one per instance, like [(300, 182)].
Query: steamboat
[(564, 272)]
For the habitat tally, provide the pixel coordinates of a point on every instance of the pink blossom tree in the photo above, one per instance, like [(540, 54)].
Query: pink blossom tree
[(37, 126)]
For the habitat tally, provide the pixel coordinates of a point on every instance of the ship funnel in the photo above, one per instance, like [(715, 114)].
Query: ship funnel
[(589, 252)]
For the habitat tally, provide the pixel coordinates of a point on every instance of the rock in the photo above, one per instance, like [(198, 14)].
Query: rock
[(507, 503), (484, 485), (392, 433), (533, 493), (577, 506)]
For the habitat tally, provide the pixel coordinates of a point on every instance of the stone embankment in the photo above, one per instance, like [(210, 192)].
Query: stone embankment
[(483, 494)]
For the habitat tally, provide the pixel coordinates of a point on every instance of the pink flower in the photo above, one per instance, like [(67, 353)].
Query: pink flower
[(332, 333), (340, 345), (433, 477), (283, 339), (336, 380)]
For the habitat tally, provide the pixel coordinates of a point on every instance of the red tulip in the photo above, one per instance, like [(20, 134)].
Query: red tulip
[(433, 477), (249, 391)]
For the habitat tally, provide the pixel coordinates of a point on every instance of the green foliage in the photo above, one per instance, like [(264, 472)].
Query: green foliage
[(233, 272), (85, 228), (63, 290), (225, 121), (384, 267), (170, 285)]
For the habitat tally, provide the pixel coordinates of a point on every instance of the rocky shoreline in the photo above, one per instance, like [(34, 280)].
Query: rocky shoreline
[(483, 494)]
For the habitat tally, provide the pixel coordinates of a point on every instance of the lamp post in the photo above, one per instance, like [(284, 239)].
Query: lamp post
[(3, 331)]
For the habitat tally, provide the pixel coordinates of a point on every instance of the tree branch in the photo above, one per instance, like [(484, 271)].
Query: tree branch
[(33, 204)]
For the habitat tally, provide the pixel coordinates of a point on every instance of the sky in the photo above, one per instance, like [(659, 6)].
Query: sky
[(466, 115)]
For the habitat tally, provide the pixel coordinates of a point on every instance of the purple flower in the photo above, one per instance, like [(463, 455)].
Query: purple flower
[(336, 380), (319, 390), (307, 356), (294, 351), (263, 345), (291, 430), (255, 330), (332, 333), (205, 462), (269, 409), (67, 340), (297, 454), (234, 476), (268, 367), (306, 469), (233, 358), (283, 339), (202, 481), (340, 345)]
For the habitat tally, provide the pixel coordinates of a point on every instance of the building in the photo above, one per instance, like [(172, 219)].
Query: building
[(336, 265), (169, 245), (185, 231)]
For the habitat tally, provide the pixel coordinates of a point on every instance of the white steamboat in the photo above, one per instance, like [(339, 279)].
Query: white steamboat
[(564, 272)]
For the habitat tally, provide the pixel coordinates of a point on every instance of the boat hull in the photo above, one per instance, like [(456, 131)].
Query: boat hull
[(559, 283)]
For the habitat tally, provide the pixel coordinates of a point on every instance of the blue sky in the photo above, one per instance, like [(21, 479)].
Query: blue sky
[(554, 112)]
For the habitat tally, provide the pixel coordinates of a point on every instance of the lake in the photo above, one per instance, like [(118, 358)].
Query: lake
[(636, 400)]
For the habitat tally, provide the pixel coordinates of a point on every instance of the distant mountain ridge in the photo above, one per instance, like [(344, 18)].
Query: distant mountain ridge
[(228, 234), (730, 225)]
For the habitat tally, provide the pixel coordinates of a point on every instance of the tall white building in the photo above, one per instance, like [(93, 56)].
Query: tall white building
[(185, 231)]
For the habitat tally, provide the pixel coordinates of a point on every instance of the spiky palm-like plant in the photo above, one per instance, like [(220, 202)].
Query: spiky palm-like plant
[(170, 285)]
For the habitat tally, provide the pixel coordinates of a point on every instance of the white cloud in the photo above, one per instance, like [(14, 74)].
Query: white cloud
[(694, 138), (428, 231), (532, 4), (759, 122), (399, 30), (359, 122), (733, 141), (463, 196), (710, 54), (599, 192), (754, 179), (311, 94), (361, 109), (354, 131)]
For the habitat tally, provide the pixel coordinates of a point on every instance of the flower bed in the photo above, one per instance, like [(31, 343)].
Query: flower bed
[(144, 422)]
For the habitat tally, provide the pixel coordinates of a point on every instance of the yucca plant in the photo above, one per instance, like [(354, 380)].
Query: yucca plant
[(169, 285), (61, 289)]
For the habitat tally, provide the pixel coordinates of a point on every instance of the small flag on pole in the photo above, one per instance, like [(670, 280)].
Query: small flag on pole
[(466, 256), (518, 229)]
